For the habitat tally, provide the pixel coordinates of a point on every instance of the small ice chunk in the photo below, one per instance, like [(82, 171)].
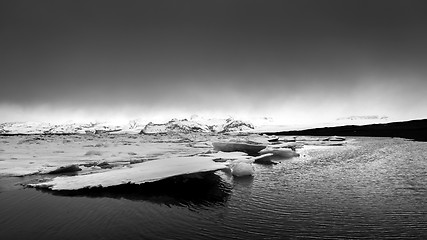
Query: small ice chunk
[(283, 153), (241, 169), (224, 156), (93, 153), (334, 138), (265, 159), (66, 169), (250, 149)]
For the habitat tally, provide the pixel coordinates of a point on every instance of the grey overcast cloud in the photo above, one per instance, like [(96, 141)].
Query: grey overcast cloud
[(294, 61)]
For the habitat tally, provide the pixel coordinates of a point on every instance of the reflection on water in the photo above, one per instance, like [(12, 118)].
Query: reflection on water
[(371, 189), (243, 182)]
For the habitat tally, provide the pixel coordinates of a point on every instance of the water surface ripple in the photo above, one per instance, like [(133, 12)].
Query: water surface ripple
[(374, 188)]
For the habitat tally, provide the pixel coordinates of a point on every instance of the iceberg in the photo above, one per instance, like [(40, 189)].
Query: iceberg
[(149, 171), (265, 159), (228, 156), (334, 138), (283, 153), (250, 149), (66, 169), (242, 169)]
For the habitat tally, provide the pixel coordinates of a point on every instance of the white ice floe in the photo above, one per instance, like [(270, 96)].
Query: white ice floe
[(241, 169), (334, 138), (27, 155), (282, 153), (228, 156), (250, 149), (139, 173)]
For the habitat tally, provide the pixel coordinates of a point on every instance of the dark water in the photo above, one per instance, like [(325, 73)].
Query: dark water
[(374, 188)]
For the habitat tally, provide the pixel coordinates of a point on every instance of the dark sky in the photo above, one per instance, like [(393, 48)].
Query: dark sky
[(295, 60)]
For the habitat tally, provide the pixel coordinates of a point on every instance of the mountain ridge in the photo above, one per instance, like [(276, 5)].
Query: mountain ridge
[(133, 127)]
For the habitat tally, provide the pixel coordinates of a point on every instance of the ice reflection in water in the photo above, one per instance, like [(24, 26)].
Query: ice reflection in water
[(374, 188), (205, 189)]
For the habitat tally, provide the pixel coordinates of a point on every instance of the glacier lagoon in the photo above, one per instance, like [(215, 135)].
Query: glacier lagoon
[(367, 188)]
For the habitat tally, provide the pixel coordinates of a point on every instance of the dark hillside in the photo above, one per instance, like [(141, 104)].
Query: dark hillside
[(415, 129)]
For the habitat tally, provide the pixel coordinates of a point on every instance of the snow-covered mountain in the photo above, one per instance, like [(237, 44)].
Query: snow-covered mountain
[(48, 128), (195, 123), (186, 126), (175, 125), (232, 125), (133, 126)]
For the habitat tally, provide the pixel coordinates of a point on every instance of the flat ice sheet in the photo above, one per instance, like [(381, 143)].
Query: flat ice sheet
[(138, 173), (33, 154)]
